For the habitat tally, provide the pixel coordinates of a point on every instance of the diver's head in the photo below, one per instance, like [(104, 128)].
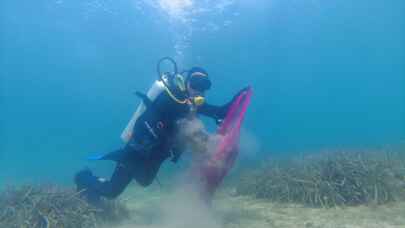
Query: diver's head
[(197, 80), (197, 83)]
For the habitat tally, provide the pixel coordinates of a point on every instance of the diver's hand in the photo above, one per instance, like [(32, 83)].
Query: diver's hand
[(225, 108), (239, 93)]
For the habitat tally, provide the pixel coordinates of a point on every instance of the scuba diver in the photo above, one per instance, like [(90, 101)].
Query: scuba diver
[(150, 134)]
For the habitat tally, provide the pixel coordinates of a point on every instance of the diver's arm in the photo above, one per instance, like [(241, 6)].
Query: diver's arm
[(176, 149), (216, 112)]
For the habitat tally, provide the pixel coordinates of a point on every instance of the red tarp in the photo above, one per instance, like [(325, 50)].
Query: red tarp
[(212, 171)]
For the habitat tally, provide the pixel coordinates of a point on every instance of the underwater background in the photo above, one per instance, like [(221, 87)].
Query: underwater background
[(325, 74)]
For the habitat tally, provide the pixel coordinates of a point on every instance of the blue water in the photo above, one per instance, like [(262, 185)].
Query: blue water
[(326, 74)]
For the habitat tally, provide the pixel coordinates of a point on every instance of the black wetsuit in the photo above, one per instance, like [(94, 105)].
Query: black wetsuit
[(150, 145)]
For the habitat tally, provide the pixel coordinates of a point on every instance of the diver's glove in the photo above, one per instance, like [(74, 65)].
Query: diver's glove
[(223, 110), (239, 93)]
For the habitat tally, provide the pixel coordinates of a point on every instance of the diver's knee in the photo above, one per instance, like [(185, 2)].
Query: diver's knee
[(144, 182), (113, 193)]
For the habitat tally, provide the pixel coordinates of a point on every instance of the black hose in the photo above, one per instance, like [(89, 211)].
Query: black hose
[(159, 72)]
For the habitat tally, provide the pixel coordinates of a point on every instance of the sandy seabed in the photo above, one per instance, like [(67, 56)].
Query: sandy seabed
[(154, 208)]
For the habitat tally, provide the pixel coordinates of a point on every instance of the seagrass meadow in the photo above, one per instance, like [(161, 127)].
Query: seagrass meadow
[(329, 179), (34, 206), (326, 189)]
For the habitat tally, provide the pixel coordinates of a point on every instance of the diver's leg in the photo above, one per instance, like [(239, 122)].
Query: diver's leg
[(94, 187), (127, 158), (119, 180), (146, 172)]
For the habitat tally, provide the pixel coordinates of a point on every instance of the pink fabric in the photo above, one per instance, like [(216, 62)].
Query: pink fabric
[(213, 170)]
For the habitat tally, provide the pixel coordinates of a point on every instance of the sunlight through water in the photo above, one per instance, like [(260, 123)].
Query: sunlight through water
[(176, 8), (185, 17)]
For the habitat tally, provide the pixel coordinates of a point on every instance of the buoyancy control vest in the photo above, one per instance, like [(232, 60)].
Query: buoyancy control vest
[(174, 86), (157, 88)]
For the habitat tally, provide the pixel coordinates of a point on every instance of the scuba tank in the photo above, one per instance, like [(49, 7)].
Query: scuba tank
[(156, 89)]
